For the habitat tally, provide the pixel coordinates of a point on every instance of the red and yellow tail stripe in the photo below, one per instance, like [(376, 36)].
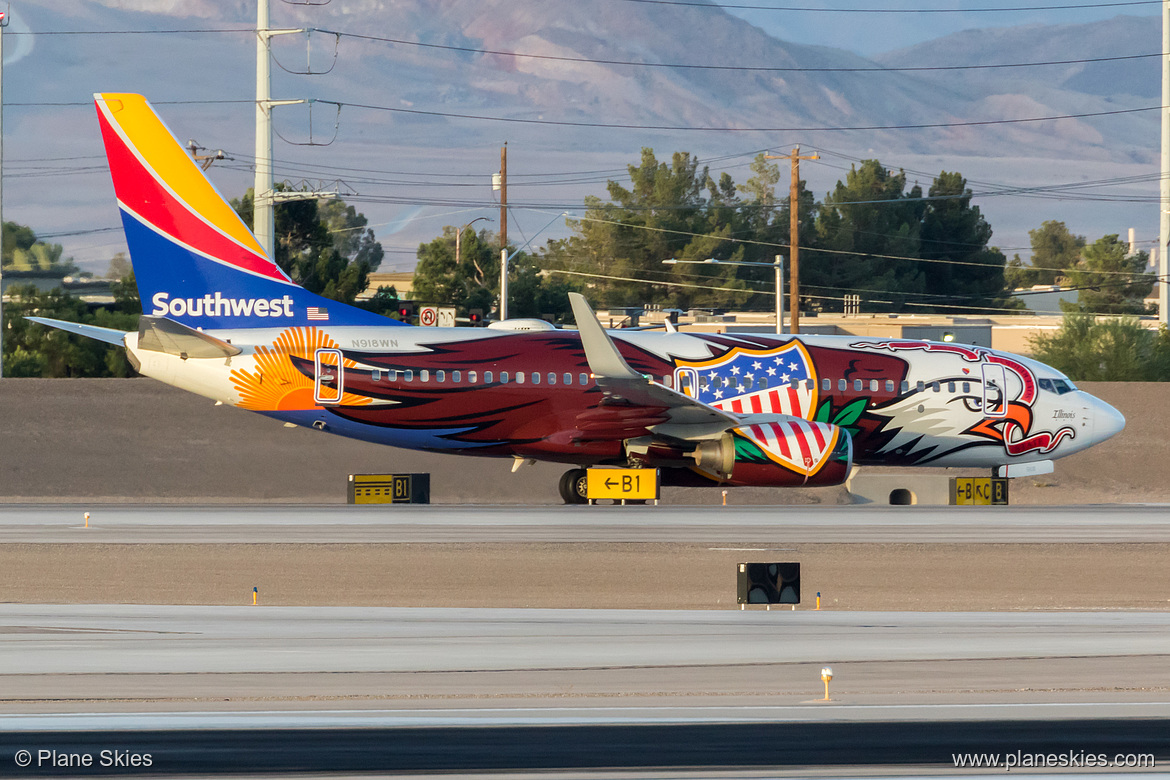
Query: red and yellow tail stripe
[(160, 185)]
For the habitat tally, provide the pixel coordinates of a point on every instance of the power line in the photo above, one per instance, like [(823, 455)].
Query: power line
[(724, 129), (870, 10), (740, 68)]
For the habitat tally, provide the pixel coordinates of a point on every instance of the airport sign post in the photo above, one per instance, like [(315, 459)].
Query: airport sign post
[(622, 484), (979, 491), (389, 488)]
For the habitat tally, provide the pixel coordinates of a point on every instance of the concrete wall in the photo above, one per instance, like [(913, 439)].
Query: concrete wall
[(138, 440)]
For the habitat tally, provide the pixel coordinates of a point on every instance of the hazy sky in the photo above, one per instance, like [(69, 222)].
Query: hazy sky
[(871, 33)]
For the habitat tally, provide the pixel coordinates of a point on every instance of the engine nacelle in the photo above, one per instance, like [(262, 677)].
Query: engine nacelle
[(792, 453)]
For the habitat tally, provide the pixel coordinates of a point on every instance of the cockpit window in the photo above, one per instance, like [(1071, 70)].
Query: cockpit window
[(1058, 386)]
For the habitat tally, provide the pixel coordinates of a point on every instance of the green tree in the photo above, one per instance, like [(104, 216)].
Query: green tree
[(955, 235), (120, 267), (1113, 349), (326, 249), (39, 351), (24, 252), (869, 231), (472, 283), (1055, 250), (1110, 280)]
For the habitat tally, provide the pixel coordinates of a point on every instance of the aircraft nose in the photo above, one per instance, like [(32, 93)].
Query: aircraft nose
[(1107, 421)]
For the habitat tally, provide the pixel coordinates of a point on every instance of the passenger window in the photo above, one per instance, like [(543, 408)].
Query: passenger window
[(376, 375), (455, 377), (568, 378), (440, 376), (519, 377), (966, 387), (828, 384), (552, 378), (702, 383), (857, 386), (763, 383), (747, 383), (873, 383), (583, 379), (424, 376), (842, 385), (905, 386), (472, 377), (392, 375), (809, 384), (889, 382), (950, 387), (666, 380), (503, 377), (408, 375), (921, 386)]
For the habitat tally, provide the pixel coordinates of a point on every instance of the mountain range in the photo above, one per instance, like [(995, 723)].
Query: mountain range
[(413, 172)]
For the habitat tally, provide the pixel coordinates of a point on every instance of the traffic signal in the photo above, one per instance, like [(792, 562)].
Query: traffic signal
[(476, 317), (406, 309)]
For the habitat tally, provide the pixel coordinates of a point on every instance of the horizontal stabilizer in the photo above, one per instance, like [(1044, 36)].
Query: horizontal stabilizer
[(108, 335), (158, 334)]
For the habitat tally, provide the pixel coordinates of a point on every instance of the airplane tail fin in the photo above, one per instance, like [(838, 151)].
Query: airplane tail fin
[(195, 260)]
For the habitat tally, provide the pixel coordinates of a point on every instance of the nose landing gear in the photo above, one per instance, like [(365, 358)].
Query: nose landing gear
[(573, 486)]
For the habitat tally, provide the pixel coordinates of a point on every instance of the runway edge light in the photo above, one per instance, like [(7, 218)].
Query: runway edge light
[(826, 675)]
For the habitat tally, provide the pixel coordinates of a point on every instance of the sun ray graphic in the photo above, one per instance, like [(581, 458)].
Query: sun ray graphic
[(276, 385)]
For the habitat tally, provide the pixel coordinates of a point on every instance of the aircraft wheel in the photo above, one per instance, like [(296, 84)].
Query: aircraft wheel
[(573, 486)]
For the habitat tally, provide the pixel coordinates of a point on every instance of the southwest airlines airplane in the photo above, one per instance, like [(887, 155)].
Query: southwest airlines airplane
[(222, 320)]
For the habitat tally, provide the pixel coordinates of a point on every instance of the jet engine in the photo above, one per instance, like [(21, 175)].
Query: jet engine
[(792, 453)]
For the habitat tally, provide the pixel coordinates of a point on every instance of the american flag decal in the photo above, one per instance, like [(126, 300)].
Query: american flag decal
[(736, 382), (318, 313), (801, 445)]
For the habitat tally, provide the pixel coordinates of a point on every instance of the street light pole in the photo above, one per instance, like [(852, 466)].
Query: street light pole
[(459, 237), (779, 293), (778, 266)]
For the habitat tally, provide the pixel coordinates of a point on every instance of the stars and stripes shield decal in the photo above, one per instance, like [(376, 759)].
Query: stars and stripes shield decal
[(752, 381), (318, 313), (800, 445)]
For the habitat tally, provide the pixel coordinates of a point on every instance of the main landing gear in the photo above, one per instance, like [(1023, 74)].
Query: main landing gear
[(573, 486)]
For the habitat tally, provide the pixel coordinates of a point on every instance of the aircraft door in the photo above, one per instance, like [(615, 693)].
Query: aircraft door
[(328, 376), (994, 390), (686, 381)]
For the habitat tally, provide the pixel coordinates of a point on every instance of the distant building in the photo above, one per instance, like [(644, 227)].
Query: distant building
[(93, 291), (402, 281), (1045, 298)]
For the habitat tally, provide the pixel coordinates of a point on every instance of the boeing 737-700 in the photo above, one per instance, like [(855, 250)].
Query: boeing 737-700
[(221, 319)]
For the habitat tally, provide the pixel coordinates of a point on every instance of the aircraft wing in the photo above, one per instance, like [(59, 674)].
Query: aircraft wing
[(680, 416), (108, 335)]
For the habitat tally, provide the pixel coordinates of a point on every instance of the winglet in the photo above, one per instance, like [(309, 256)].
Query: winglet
[(604, 359)]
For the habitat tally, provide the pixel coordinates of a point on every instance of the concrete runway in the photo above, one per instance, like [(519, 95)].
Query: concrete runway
[(334, 524), (57, 657), (207, 689)]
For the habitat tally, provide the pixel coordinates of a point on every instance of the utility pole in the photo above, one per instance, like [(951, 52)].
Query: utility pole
[(264, 196), (1164, 200), (504, 230), (794, 231), (263, 220)]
